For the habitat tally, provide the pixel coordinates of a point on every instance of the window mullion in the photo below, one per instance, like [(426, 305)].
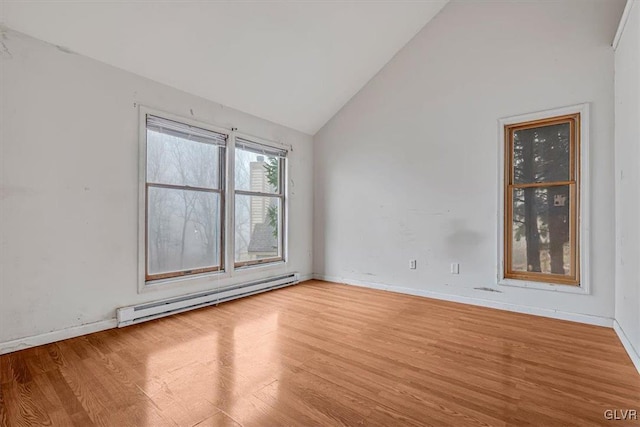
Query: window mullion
[(223, 237), (231, 206)]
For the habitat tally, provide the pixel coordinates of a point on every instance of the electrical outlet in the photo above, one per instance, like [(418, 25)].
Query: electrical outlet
[(455, 268), (413, 264)]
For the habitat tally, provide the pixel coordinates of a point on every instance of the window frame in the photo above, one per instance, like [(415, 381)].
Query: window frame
[(228, 274), (220, 191), (147, 280), (281, 195), (579, 200)]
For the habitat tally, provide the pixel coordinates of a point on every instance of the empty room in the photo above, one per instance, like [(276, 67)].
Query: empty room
[(319, 213)]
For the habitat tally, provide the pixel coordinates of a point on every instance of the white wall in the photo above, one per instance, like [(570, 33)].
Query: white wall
[(69, 189), (627, 161), (409, 167)]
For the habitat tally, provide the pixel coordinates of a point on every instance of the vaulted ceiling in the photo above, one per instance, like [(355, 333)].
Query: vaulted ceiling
[(295, 63)]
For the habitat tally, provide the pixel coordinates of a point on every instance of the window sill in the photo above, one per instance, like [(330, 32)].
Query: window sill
[(168, 283), (554, 287), (199, 279), (265, 265)]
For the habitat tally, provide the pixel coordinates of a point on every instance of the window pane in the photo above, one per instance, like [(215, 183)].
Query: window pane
[(257, 172), (541, 154), (541, 230), (179, 161), (258, 221), (183, 229)]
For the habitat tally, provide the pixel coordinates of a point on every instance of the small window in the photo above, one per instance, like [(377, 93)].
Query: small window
[(542, 189), (259, 203), (184, 199)]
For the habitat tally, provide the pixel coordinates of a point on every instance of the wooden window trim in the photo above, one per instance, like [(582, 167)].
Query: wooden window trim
[(574, 121)]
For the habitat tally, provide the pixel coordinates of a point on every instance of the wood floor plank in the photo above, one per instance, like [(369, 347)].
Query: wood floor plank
[(324, 354), (68, 400), (25, 405), (50, 402), (3, 409), (219, 420)]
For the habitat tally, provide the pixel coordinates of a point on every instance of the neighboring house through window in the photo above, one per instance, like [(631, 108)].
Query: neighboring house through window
[(259, 203)]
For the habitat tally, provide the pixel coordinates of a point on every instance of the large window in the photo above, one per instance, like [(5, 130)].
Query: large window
[(259, 203), (184, 199), (211, 200), (542, 200)]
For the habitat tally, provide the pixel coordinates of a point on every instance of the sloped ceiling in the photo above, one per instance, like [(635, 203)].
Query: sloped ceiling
[(295, 63)]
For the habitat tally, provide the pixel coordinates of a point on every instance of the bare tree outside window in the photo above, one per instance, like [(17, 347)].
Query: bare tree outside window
[(184, 199), (541, 200)]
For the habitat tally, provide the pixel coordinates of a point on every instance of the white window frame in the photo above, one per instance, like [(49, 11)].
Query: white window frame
[(228, 270), (285, 202), (583, 213)]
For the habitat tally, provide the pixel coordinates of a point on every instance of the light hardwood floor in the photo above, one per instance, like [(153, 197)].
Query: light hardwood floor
[(323, 354)]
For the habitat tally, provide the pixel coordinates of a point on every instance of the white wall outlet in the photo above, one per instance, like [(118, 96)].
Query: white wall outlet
[(413, 264), (455, 268)]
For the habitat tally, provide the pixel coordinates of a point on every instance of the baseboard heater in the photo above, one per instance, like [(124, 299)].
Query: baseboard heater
[(154, 310)]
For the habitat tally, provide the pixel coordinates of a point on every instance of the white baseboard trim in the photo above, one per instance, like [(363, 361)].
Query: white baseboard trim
[(544, 312), (631, 351), (75, 331), (53, 336)]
